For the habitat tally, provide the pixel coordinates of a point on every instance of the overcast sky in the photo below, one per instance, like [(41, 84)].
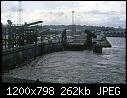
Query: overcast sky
[(96, 13)]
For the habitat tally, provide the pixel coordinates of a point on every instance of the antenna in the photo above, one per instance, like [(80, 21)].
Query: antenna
[(20, 13)]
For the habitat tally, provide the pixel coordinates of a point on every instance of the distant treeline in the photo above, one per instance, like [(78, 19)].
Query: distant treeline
[(80, 27), (84, 27)]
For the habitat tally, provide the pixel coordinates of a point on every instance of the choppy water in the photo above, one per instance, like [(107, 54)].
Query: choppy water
[(78, 66)]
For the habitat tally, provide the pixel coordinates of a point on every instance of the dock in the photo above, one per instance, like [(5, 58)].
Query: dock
[(99, 44), (26, 42), (103, 43)]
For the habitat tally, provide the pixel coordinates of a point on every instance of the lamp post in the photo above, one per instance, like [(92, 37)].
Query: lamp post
[(73, 17), (73, 25)]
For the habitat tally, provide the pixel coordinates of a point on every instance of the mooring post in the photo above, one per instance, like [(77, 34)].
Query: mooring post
[(64, 39), (97, 48), (88, 44)]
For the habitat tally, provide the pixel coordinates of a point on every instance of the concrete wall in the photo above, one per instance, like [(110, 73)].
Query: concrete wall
[(11, 59), (52, 47)]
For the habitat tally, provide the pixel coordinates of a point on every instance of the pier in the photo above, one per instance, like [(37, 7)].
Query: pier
[(21, 43)]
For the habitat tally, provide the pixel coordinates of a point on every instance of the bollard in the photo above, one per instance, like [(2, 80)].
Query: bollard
[(97, 48)]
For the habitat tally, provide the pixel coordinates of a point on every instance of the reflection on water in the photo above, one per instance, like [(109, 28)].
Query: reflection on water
[(78, 66)]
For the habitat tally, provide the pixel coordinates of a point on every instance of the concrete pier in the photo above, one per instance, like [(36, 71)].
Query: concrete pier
[(97, 48), (11, 58), (98, 45)]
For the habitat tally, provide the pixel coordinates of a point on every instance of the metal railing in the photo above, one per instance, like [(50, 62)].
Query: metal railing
[(17, 38)]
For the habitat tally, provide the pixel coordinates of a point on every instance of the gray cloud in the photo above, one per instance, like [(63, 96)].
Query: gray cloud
[(10, 6), (101, 13), (115, 21), (13, 9), (59, 12), (9, 16), (111, 22)]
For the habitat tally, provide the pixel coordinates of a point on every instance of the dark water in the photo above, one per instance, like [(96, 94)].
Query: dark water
[(78, 66)]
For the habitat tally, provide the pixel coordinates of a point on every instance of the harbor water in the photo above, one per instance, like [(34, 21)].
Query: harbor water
[(78, 66)]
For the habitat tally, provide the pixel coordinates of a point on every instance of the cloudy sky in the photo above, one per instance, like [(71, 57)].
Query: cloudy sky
[(96, 13)]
